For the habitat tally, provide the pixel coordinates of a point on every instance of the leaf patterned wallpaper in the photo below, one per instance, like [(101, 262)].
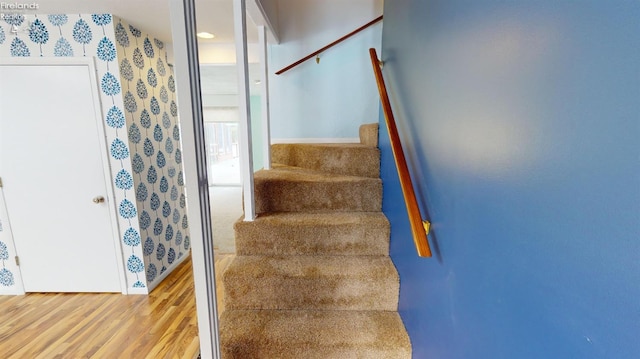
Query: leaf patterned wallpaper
[(151, 114), (137, 91)]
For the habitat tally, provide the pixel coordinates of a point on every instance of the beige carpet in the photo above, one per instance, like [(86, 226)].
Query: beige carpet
[(330, 233), (312, 277), (313, 334), (226, 208)]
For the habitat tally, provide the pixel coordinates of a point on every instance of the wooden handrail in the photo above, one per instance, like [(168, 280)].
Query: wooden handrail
[(315, 53), (418, 227)]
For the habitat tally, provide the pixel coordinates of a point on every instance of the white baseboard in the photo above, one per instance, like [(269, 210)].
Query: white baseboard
[(137, 291), (13, 290), (316, 140)]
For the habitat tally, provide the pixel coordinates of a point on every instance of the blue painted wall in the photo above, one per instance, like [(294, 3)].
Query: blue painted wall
[(522, 124)]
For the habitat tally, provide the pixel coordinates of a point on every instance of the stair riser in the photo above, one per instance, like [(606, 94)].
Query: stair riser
[(312, 293), (359, 161), (367, 237), (297, 196), (369, 134), (255, 349), (311, 282), (313, 334)]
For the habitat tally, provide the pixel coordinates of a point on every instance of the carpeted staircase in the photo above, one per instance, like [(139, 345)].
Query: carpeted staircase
[(312, 277)]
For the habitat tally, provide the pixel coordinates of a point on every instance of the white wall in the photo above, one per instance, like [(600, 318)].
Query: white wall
[(332, 99), (224, 53)]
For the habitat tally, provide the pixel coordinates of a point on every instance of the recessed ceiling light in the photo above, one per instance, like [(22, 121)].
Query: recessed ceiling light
[(257, 82), (205, 35)]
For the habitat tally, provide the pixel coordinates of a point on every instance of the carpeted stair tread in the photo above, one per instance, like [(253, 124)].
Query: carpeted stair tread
[(311, 282), (261, 334), (314, 233), (293, 189), (351, 159)]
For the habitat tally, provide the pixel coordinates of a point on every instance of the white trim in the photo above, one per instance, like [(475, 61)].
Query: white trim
[(111, 195), (138, 291), (264, 98), (316, 140), (244, 107), (182, 17)]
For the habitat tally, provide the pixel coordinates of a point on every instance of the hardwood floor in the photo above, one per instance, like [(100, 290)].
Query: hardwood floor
[(82, 325)]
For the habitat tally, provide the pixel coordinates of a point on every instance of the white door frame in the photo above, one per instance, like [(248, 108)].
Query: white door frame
[(89, 62), (185, 49), (264, 99), (244, 109)]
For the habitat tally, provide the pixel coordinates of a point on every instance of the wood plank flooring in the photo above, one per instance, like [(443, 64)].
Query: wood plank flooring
[(83, 325)]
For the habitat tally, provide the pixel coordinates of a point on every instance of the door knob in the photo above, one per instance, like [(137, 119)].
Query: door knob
[(98, 200)]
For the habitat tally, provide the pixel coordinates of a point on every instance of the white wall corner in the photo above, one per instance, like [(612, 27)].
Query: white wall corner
[(264, 13)]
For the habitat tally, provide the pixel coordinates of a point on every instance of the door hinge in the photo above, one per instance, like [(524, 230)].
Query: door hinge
[(0, 182), (17, 261)]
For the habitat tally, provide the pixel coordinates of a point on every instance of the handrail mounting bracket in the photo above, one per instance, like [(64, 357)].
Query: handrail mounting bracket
[(427, 226)]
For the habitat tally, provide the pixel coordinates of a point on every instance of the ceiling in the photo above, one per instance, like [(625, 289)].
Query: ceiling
[(152, 16)]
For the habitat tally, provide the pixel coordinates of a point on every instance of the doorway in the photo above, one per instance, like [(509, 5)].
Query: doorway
[(55, 181), (223, 170), (223, 160)]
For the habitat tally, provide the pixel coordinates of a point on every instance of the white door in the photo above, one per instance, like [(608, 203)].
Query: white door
[(52, 170)]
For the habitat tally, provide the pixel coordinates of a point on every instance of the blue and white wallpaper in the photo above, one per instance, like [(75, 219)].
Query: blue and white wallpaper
[(138, 103), (149, 91)]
